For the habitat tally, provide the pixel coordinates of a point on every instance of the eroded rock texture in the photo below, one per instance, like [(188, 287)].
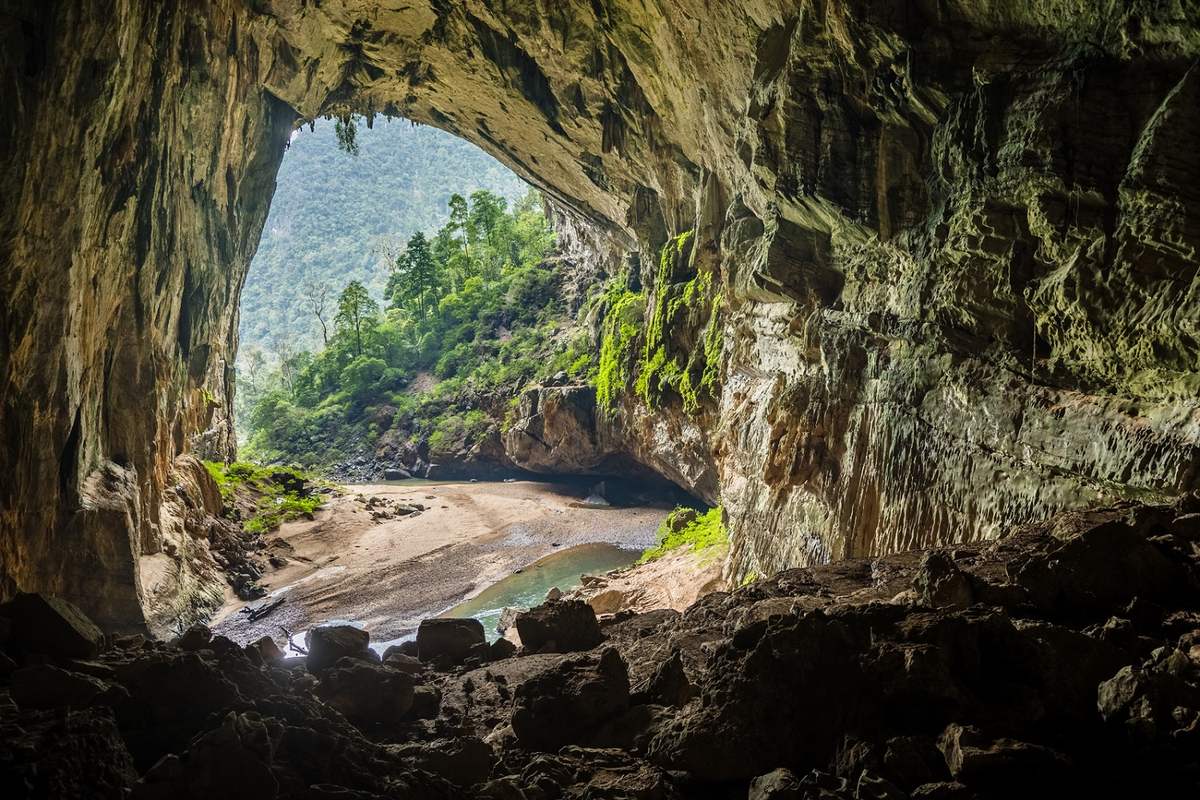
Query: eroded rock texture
[(1017, 668), (955, 243)]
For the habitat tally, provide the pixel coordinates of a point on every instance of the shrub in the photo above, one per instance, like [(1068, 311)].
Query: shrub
[(686, 526)]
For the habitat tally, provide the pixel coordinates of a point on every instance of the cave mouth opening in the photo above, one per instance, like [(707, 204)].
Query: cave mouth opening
[(407, 290), (407, 286), (339, 310)]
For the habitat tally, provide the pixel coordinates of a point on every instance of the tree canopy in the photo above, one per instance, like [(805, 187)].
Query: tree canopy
[(475, 309)]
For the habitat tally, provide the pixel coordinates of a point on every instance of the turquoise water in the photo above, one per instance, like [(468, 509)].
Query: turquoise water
[(528, 588)]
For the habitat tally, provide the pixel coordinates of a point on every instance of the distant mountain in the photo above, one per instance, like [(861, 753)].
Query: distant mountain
[(335, 217)]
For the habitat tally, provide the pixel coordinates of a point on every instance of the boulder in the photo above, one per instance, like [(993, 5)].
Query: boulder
[(559, 626), (44, 686), (194, 638), (396, 474), (50, 625), (669, 685), (464, 761), (267, 650), (427, 702), (404, 663), (778, 784), (329, 643), (508, 618), (448, 638), (1100, 569), (366, 694), (939, 583), (502, 648), (568, 700), (77, 753), (978, 760)]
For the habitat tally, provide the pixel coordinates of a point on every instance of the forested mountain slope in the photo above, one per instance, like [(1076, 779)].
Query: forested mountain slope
[(470, 315), (336, 217)]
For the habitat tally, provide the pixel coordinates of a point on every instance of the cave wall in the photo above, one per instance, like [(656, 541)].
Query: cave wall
[(956, 242), (138, 162)]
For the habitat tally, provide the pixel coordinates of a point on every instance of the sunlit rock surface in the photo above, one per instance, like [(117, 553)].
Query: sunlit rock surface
[(956, 245)]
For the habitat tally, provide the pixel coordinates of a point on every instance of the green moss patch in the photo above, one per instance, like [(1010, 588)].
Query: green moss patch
[(688, 527), (264, 497)]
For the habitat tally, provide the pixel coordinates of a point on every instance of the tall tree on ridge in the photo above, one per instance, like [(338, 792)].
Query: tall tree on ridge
[(356, 309), (316, 297)]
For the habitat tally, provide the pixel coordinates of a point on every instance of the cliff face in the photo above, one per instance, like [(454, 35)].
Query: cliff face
[(955, 243)]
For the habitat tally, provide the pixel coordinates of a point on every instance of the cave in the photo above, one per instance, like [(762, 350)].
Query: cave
[(954, 245)]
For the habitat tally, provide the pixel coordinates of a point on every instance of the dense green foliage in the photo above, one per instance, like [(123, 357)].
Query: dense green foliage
[(269, 490), (686, 526), (659, 364), (336, 218), (622, 322), (473, 315)]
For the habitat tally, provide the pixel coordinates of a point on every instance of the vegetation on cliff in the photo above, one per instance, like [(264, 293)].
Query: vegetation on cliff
[(263, 498), (667, 340), (688, 527), (473, 314)]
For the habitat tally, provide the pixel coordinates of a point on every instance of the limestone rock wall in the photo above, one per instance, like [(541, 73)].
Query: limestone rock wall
[(957, 242), (138, 159)]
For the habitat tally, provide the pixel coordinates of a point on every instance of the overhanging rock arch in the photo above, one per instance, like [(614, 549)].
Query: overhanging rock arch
[(954, 246)]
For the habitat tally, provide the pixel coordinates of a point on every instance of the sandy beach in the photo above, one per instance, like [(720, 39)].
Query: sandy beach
[(389, 574)]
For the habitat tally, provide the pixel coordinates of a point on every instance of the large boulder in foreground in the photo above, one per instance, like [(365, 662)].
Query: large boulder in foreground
[(51, 626), (569, 700), (329, 643), (448, 638), (367, 694), (560, 626)]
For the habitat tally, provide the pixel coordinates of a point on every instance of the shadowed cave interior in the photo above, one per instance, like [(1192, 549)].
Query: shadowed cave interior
[(910, 292)]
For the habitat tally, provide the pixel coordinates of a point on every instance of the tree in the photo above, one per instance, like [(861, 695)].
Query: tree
[(356, 311), (488, 232), (316, 297), (416, 280)]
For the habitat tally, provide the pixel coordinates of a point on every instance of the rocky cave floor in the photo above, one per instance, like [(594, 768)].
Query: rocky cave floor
[(1062, 659)]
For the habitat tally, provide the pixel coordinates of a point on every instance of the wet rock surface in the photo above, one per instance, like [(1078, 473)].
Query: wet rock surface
[(864, 678)]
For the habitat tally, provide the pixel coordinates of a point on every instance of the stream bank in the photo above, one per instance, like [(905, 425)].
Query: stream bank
[(365, 558)]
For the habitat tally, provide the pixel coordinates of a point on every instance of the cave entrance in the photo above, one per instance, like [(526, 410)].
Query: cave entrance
[(372, 230), (406, 290)]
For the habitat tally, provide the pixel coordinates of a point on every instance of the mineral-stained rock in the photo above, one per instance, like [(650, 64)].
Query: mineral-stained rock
[(447, 638), (50, 625), (329, 643), (559, 626), (568, 700)]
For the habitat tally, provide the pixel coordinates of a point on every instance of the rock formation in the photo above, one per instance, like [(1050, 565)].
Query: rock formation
[(952, 248), (1042, 676)]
